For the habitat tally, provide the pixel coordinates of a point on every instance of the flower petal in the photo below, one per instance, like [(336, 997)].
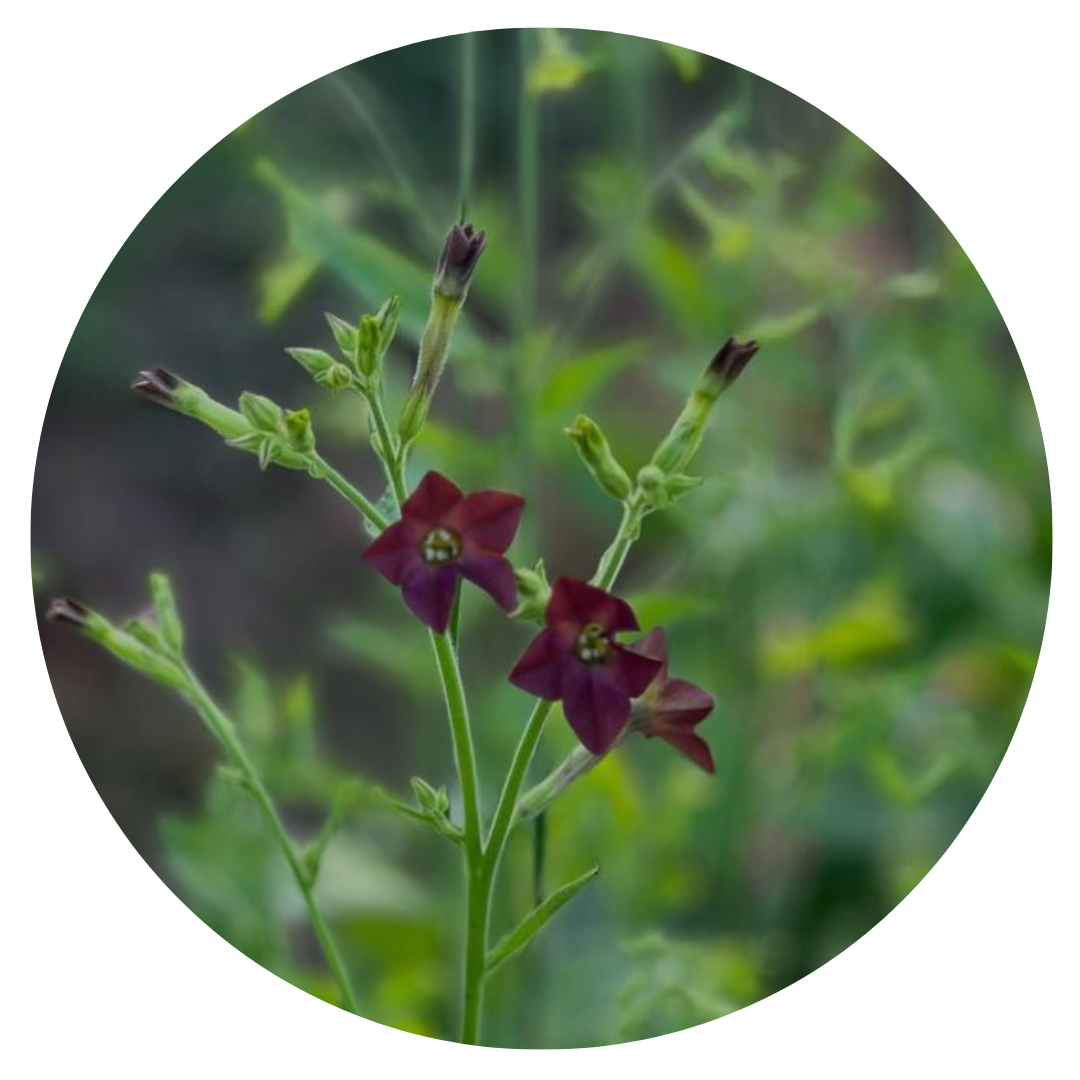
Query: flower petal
[(595, 707), (654, 646), (693, 746), (432, 501), (429, 592), (631, 672), (494, 575), (540, 669), (680, 704), (575, 603), (394, 552), (488, 519)]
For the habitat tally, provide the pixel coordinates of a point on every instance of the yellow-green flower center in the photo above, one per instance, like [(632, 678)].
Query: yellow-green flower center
[(440, 546), (593, 645)]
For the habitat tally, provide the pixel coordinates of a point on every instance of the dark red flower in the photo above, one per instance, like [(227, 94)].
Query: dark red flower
[(672, 708), (443, 534), (577, 661)]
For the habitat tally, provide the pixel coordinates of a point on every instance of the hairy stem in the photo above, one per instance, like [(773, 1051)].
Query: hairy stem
[(323, 470), (225, 732)]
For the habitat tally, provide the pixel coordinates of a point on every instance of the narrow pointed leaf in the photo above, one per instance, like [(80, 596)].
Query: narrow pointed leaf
[(536, 920)]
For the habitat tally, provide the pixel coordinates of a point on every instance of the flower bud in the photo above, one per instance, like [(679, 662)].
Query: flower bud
[(67, 612), (138, 652), (168, 619), (726, 366), (682, 442), (534, 592), (344, 334), (652, 481), (315, 362), (262, 413), (594, 451), (158, 385), (298, 431), (458, 260)]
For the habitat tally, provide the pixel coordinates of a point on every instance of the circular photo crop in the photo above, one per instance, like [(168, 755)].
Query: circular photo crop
[(542, 538)]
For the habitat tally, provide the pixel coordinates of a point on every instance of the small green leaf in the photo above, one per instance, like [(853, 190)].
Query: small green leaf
[(578, 379), (344, 799), (536, 920), (687, 62)]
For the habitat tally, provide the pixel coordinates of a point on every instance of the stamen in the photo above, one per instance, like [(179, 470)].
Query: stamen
[(439, 546), (593, 645)]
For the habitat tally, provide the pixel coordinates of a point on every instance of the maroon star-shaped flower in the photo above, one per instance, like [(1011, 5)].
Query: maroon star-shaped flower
[(576, 660), (445, 534), (671, 708)]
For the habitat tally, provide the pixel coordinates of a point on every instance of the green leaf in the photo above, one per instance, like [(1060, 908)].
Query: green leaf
[(687, 62), (654, 607), (344, 799), (536, 920), (574, 382)]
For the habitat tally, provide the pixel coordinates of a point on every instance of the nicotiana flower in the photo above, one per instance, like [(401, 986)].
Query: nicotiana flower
[(671, 708), (576, 660), (457, 263), (443, 534)]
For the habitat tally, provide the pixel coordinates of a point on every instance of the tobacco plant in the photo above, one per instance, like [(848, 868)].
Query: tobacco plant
[(429, 540)]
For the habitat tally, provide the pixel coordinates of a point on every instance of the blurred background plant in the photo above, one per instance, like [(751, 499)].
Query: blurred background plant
[(862, 581)]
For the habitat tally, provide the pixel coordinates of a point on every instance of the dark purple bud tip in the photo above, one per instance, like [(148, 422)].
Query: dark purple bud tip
[(457, 263), (68, 612), (729, 362), (158, 385)]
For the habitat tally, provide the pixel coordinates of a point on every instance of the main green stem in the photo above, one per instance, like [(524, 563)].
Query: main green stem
[(223, 729), (481, 878)]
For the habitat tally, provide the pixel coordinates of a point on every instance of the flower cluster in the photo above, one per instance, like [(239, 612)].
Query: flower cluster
[(605, 687)]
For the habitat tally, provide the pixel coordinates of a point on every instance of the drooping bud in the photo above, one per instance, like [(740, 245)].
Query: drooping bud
[(158, 385), (68, 612), (457, 263), (681, 444), (594, 451), (140, 654)]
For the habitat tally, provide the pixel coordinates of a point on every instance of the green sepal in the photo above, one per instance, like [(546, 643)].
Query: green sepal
[(262, 413), (346, 337), (168, 618)]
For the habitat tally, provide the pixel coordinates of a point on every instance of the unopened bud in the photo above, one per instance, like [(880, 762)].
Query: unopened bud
[(727, 365), (682, 442), (594, 451), (345, 336), (158, 385), (262, 413), (68, 612), (168, 618), (299, 432), (457, 263), (318, 364), (534, 592)]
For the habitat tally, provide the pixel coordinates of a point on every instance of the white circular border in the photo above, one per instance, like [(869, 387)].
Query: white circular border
[(106, 971)]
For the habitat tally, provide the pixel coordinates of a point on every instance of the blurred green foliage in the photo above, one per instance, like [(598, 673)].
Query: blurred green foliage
[(862, 580)]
